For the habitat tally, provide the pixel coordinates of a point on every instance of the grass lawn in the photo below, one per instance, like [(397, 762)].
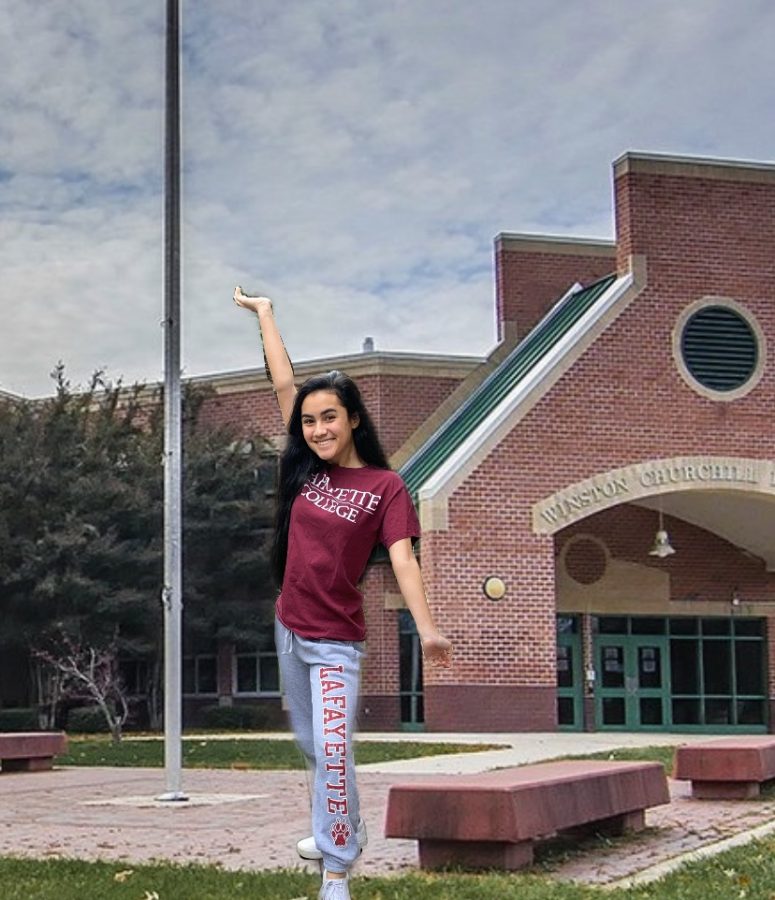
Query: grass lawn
[(663, 755), (747, 873), (200, 753)]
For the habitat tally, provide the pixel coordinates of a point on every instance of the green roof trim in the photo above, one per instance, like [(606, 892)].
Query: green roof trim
[(501, 382)]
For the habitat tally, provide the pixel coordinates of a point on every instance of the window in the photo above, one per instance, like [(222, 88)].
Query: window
[(410, 672), (256, 673), (718, 672), (715, 678), (134, 676), (567, 624), (200, 674)]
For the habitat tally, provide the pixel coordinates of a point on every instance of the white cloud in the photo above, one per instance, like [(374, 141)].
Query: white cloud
[(353, 157)]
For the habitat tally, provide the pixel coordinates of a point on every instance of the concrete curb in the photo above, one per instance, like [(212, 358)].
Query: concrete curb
[(654, 873)]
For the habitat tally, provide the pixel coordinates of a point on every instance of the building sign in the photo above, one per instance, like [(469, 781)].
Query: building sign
[(659, 476)]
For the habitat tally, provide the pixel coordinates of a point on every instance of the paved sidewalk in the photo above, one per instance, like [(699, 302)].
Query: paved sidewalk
[(243, 819)]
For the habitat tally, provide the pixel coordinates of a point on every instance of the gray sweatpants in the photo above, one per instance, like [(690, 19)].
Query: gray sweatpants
[(320, 682)]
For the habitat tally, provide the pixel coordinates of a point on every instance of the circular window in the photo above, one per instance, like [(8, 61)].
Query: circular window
[(719, 348)]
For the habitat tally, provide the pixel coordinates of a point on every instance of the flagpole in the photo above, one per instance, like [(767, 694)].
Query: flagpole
[(172, 590)]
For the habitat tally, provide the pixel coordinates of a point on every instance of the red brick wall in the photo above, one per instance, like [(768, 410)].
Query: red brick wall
[(716, 228), (405, 403), (249, 410), (622, 402), (504, 644), (398, 404), (490, 708), (531, 277)]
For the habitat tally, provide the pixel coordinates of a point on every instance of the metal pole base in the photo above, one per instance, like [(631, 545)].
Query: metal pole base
[(173, 797)]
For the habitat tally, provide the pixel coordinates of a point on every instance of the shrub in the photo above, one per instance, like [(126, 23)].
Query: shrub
[(87, 720), (19, 719), (233, 717)]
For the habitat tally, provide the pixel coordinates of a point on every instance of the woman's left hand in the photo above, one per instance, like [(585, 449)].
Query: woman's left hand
[(436, 650)]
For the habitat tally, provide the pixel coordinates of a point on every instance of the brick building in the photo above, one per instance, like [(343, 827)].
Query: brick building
[(597, 496), (629, 394), (639, 403)]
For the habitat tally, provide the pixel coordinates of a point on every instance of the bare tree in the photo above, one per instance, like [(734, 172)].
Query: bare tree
[(92, 672)]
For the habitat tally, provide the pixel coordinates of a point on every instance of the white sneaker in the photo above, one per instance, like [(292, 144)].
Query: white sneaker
[(308, 849), (335, 889)]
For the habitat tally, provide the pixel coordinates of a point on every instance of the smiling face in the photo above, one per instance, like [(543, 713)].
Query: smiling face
[(328, 429)]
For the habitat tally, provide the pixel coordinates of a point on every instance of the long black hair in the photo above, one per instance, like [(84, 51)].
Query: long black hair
[(298, 462)]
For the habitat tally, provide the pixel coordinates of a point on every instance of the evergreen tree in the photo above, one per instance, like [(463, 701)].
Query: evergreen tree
[(81, 494)]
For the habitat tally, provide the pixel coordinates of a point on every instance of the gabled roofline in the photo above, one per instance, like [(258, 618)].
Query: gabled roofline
[(533, 379), (454, 405), (453, 402), (434, 492)]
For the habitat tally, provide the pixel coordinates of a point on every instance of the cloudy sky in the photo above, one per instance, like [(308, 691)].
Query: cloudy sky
[(352, 158)]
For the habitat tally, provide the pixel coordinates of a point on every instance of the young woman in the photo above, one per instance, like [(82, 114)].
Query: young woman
[(337, 500)]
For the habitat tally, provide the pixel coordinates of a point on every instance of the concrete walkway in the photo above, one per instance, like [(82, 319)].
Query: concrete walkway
[(248, 819)]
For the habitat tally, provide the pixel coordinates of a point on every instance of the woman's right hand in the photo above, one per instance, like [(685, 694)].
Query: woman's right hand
[(436, 650), (252, 303)]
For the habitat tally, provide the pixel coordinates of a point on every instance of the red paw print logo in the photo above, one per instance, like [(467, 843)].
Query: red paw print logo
[(340, 831)]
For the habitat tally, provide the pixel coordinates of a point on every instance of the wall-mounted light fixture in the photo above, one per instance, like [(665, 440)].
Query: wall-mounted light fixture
[(494, 588)]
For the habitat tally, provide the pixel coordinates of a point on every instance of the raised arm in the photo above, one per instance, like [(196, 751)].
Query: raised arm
[(275, 354)]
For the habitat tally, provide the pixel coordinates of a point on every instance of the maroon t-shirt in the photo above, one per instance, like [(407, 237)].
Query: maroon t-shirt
[(338, 518)]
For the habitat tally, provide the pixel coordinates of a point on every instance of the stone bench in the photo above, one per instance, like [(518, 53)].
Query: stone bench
[(492, 819), (32, 751), (727, 769)]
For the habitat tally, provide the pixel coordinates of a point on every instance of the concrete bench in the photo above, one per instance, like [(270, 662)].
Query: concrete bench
[(31, 751), (727, 769), (492, 819)]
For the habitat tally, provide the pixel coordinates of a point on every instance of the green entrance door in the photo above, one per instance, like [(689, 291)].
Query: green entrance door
[(632, 689), (569, 681)]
